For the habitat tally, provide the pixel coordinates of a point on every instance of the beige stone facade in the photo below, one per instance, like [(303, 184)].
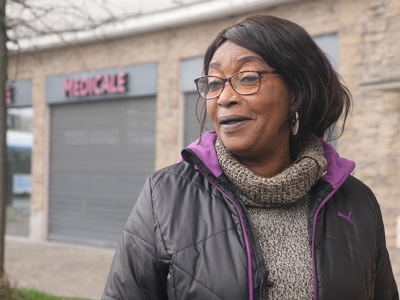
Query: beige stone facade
[(369, 47)]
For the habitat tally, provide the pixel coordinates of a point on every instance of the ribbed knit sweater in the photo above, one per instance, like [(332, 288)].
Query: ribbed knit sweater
[(278, 209)]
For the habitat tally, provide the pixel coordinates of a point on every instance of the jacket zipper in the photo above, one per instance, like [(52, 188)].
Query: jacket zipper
[(315, 297), (246, 237)]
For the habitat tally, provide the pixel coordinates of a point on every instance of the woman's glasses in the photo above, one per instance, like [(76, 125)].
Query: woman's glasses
[(243, 82)]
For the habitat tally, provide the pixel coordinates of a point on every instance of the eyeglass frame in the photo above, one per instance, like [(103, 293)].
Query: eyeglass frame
[(229, 79)]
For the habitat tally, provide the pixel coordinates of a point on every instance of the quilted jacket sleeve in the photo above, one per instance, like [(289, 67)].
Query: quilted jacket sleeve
[(385, 285), (136, 271)]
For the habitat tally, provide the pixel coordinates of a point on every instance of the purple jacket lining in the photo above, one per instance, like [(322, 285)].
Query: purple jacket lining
[(338, 170)]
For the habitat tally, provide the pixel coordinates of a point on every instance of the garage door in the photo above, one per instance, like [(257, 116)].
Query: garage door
[(100, 156), (192, 125)]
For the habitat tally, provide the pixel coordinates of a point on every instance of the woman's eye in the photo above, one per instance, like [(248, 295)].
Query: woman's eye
[(249, 79), (214, 84)]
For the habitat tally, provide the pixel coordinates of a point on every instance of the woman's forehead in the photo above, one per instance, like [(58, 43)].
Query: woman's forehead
[(231, 54)]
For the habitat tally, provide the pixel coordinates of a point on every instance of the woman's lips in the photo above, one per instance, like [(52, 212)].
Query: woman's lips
[(230, 123)]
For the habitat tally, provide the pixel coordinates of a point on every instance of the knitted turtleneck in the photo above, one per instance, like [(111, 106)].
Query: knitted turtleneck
[(278, 209)]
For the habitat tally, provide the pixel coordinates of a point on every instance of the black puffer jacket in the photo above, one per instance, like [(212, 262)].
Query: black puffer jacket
[(189, 238)]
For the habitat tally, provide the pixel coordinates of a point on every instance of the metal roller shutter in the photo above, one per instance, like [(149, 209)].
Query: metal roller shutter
[(101, 154), (192, 126)]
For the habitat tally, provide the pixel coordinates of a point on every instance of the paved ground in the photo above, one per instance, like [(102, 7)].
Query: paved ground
[(57, 268), (18, 216)]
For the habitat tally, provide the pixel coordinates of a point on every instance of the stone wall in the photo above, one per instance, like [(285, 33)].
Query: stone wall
[(369, 47)]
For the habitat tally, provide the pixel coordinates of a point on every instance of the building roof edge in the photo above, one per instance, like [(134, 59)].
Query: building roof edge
[(150, 22)]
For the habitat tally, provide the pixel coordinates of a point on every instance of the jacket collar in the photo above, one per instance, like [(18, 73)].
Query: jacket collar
[(338, 168), (205, 151)]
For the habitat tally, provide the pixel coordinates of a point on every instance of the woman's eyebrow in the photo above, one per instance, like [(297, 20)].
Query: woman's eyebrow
[(249, 58), (214, 64), (241, 60)]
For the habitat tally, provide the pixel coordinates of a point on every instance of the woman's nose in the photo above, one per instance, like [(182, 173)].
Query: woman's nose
[(228, 96)]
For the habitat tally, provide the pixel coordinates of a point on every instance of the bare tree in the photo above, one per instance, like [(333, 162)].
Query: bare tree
[(3, 130), (32, 19), (63, 20)]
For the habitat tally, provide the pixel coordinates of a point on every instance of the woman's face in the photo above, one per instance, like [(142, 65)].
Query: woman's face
[(251, 127)]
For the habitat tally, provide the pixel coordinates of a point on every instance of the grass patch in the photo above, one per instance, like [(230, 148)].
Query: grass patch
[(6, 291), (29, 294), (10, 292)]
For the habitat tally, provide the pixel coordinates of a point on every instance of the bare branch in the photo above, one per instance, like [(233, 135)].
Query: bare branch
[(32, 18)]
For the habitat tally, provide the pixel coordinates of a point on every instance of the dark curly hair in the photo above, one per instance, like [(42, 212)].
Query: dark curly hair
[(321, 98)]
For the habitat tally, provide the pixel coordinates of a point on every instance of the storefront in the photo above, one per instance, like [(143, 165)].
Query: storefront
[(102, 148)]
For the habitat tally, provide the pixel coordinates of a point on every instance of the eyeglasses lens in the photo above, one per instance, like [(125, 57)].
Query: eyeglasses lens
[(244, 83)]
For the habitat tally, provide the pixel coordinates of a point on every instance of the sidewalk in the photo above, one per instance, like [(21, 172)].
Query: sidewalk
[(57, 268)]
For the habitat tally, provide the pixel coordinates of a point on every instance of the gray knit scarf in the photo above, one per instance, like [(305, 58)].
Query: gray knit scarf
[(278, 208), (286, 187)]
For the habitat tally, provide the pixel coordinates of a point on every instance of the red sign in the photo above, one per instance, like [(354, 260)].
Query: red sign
[(9, 95), (95, 85)]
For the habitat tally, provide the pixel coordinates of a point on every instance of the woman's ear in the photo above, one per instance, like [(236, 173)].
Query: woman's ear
[(292, 102)]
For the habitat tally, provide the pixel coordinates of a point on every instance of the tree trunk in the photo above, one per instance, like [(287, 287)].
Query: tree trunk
[(3, 131)]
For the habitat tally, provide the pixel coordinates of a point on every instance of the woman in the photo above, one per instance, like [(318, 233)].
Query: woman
[(262, 207)]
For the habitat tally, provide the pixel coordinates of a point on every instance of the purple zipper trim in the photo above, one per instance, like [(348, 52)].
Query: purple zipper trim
[(246, 238), (338, 185)]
